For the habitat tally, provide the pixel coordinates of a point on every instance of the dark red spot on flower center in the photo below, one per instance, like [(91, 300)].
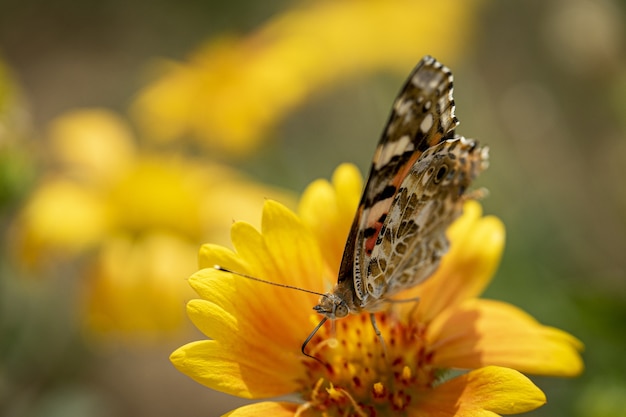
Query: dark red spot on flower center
[(360, 376)]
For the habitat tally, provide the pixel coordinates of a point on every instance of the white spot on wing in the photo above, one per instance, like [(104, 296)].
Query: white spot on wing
[(391, 149), (427, 123), (402, 107), (427, 81)]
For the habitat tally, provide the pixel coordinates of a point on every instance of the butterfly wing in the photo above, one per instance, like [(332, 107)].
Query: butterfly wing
[(413, 239), (422, 116)]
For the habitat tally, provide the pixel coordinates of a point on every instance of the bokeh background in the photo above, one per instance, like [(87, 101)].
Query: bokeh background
[(132, 132)]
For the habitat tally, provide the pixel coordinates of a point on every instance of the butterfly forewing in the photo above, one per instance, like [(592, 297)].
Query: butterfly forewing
[(422, 116)]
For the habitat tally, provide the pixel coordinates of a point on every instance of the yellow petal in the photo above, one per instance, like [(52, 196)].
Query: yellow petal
[(485, 392), (269, 409), (348, 183), (248, 338), (211, 255), (293, 248), (251, 248), (328, 210), (318, 211), (261, 318), (257, 327), (485, 332), (214, 286), (224, 369), (212, 320)]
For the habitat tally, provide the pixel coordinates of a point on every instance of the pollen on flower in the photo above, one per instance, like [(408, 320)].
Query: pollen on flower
[(406, 374), (400, 400), (379, 390), (333, 393), (367, 377)]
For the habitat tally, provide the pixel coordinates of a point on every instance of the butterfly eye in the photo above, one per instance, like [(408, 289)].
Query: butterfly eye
[(341, 310)]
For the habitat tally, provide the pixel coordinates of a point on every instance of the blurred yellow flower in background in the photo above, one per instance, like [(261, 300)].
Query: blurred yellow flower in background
[(134, 288), (233, 90), (256, 330), (135, 217)]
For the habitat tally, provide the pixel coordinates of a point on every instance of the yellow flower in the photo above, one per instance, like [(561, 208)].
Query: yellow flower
[(256, 330), (233, 90), (135, 218), (133, 288)]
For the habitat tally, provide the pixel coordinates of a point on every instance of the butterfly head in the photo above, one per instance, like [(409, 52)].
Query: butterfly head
[(332, 306)]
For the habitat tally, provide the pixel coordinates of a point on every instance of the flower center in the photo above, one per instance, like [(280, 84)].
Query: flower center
[(358, 375)]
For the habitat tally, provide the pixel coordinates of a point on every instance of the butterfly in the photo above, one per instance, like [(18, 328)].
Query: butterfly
[(415, 189)]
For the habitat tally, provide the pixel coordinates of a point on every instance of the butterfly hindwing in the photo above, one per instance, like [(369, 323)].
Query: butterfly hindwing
[(412, 239)]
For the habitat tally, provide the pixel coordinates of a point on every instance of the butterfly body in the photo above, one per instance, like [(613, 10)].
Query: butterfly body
[(416, 187)]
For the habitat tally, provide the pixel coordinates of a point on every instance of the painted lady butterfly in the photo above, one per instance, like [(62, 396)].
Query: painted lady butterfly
[(415, 190)]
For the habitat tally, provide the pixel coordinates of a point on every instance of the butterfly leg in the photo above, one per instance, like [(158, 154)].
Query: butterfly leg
[(477, 194), (415, 300), (378, 334)]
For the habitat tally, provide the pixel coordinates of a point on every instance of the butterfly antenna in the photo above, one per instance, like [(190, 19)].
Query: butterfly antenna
[(308, 339), (221, 268)]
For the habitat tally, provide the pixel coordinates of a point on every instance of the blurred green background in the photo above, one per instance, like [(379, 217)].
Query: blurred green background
[(542, 83)]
